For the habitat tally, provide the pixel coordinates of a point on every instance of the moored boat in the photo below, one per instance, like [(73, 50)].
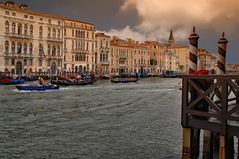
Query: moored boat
[(37, 88), (11, 81), (73, 82), (124, 80), (170, 74)]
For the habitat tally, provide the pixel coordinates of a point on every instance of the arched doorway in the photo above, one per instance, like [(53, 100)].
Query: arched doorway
[(80, 69), (53, 68), (76, 69), (19, 68), (84, 69)]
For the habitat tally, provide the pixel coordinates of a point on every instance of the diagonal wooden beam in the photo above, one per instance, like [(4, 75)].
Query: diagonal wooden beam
[(204, 95)]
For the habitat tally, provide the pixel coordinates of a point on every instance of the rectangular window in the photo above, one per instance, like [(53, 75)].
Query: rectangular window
[(13, 62), (6, 61), (25, 61), (40, 62), (49, 21), (13, 14), (7, 12), (31, 17), (25, 16), (41, 19)]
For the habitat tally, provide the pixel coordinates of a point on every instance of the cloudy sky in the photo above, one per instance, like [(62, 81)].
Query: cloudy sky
[(152, 19)]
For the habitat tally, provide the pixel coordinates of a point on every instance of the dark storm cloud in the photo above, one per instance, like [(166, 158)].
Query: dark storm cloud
[(103, 13)]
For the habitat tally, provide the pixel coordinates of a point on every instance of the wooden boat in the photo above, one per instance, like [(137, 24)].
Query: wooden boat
[(11, 81), (37, 88), (74, 82), (124, 80), (26, 78), (105, 77), (170, 74)]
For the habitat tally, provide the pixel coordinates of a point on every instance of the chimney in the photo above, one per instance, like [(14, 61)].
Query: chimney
[(23, 6), (10, 3)]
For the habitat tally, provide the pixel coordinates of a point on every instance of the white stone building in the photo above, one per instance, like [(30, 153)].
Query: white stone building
[(29, 41)]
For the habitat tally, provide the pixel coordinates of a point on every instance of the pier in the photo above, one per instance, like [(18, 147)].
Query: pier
[(210, 103)]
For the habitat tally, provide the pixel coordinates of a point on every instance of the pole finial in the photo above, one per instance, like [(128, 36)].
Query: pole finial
[(194, 29), (223, 34)]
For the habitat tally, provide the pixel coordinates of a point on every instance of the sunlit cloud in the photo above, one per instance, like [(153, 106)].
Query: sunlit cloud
[(159, 16)]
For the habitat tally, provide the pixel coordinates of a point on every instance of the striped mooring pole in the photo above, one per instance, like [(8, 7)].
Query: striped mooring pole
[(221, 55), (193, 47), (188, 134)]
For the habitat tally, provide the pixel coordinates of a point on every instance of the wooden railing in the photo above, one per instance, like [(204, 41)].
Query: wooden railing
[(211, 102)]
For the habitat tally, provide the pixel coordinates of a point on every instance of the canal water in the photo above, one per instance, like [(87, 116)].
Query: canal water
[(101, 121)]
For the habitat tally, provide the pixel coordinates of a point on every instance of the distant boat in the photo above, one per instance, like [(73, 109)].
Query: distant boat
[(11, 81), (37, 88), (124, 80), (73, 82), (105, 77), (170, 74)]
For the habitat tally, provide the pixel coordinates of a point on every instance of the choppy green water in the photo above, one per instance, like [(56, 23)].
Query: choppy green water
[(102, 121)]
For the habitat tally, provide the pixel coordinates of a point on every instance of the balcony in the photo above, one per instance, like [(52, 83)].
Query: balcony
[(122, 65), (54, 57), (20, 36), (142, 65), (80, 51), (104, 62), (51, 39), (18, 55), (123, 56)]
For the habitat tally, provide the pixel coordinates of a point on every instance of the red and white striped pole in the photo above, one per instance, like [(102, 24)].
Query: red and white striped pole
[(221, 55), (193, 48), (221, 69), (188, 133)]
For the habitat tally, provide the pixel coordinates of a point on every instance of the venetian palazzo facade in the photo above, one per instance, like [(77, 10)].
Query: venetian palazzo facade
[(79, 46), (29, 41), (102, 54)]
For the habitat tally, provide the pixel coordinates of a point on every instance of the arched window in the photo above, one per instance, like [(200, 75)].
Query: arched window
[(31, 30), (58, 33), (58, 51), (40, 49), (25, 48), (13, 27), (13, 47), (7, 27), (83, 58), (19, 47), (49, 49), (6, 47), (25, 29), (40, 31), (54, 33), (53, 50), (31, 48), (80, 58), (19, 28), (49, 33)]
